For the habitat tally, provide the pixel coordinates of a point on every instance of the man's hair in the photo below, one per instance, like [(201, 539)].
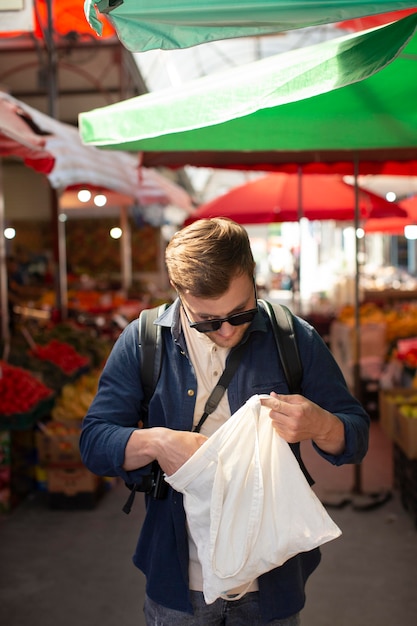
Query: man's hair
[(205, 256)]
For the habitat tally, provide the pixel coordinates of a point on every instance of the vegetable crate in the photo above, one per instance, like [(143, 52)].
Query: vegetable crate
[(58, 447), (389, 400), (69, 484), (405, 478), (17, 475), (372, 347), (73, 488)]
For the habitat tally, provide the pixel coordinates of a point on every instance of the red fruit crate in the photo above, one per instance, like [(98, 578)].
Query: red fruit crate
[(25, 421)]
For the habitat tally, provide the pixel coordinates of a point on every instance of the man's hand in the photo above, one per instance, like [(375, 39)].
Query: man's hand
[(171, 448), (297, 419), (176, 447)]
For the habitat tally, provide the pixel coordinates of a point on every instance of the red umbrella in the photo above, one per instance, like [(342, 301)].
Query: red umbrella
[(394, 225), (287, 197)]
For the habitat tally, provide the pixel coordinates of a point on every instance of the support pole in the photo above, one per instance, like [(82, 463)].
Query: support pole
[(359, 500), (300, 212), (357, 483), (58, 228), (126, 251), (4, 298)]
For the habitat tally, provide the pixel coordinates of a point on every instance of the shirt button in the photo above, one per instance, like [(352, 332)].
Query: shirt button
[(190, 392)]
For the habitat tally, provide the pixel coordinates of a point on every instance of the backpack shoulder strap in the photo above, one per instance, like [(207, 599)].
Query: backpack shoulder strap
[(150, 345), (282, 324)]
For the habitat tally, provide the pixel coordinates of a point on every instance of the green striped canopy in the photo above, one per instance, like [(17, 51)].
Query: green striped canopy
[(168, 24), (356, 94)]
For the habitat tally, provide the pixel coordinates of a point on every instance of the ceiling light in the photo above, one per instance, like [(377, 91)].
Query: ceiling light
[(410, 231), (100, 199), (116, 232), (9, 233), (84, 195)]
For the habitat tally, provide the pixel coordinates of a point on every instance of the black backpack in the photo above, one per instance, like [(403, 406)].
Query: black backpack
[(150, 342)]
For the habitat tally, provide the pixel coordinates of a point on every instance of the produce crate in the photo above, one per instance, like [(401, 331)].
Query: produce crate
[(372, 346), (58, 447), (17, 477), (5, 448), (73, 488), (389, 400), (405, 431), (405, 479), (25, 421)]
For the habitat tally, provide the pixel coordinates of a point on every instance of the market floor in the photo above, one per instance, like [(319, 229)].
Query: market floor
[(61, 568)]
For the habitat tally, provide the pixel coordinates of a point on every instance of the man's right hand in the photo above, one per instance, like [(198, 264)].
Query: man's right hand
[(171, 448)]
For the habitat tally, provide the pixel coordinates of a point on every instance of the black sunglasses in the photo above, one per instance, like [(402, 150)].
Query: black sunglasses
[(209, 326)]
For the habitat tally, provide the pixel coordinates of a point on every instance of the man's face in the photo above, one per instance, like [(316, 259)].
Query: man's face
[(238, 298)]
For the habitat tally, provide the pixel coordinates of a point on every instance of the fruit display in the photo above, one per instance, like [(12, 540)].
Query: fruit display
[(368, 313), (91, 251), (84, 342), (389, 401), (19, 390), (408, 358), (405, 429), (49, 373), (58, 444), (407, 396), (75, 398), (61, 354), (21, 395), (409, 410), (398, 417), (400, 320), (404, 351), (92, 348)]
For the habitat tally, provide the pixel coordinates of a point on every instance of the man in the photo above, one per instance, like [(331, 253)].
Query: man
[(211, 268)]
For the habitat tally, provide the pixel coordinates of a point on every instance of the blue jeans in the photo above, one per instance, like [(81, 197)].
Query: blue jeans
[(243, 612)]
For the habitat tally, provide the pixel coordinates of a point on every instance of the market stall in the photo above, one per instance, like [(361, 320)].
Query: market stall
[(72, 164), (36, 364), (389, 380), (46, 386)]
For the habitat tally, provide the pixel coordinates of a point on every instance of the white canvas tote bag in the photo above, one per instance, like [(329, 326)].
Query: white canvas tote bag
[(249, 507)]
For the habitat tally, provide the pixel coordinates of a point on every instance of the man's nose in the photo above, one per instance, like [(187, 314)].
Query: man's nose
[(226, 329)]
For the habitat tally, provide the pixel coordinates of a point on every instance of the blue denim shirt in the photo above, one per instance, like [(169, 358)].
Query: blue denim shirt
[(162, 549)]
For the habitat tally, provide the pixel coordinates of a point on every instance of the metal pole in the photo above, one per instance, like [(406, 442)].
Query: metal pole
[(357, 485), (5, 330), (58, 228), (62, 267), (52, 66), (300, 211), (126, 250), (60, 253)]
